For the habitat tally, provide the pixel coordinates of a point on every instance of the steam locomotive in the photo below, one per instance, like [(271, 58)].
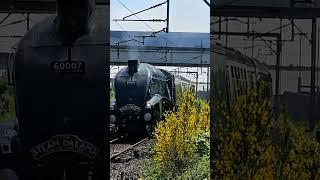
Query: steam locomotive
[(143, 94), (234, 73), (59, 75)]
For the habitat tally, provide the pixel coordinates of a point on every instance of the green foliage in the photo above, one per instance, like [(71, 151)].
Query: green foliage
[(297, 153), (112, 95), (7, 108), (182, 142), (200, 170)]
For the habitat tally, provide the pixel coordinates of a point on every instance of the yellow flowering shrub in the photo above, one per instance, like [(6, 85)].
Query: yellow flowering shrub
[(182, 138), (297, 153), (249, 143), (241, 144)]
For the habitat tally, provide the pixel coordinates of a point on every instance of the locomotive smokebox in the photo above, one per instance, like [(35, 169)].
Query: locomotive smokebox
[(133, 66), (61, 89)]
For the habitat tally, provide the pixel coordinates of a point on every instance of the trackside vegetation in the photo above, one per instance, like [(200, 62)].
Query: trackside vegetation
[(7, 107), (249, 142), (182, 142)]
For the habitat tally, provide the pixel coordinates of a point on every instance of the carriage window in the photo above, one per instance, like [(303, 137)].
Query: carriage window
[(242, 74), (236, 72), (245, 79), (232, 72), (245, 74), (249, 77), (237, 79), (241, 79), (252, 78)]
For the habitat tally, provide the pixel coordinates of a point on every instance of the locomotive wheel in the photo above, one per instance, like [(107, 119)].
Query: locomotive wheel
[(150, 127), (120, 131)]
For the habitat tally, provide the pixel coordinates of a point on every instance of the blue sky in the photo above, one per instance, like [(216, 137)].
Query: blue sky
[(185, 15)]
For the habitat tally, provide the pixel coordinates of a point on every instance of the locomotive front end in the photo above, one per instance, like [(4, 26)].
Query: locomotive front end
[(129, 113)]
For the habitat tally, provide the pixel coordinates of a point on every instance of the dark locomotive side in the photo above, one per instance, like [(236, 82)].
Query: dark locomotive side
[(60, 84), (143, 94)]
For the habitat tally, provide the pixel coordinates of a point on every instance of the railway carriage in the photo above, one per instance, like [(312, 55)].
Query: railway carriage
[(181, 85), (234, 73)]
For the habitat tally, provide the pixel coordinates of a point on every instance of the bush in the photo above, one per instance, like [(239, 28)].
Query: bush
[(241, 144), (112, 95), (249, 143), (182, 141), (297, 154), (7, 107)]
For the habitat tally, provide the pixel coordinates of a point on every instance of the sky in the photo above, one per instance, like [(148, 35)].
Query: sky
[(184, 15)]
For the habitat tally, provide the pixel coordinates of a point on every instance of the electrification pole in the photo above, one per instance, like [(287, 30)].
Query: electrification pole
[(168, 9), (313, 73)]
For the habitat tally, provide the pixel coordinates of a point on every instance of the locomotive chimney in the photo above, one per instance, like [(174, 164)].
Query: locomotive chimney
[(133, 66), (74, 18)]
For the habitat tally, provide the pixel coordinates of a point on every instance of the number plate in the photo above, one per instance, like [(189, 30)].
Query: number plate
[(131, 83), (68, 67)]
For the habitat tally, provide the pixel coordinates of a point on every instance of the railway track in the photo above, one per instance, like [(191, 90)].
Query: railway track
[(118, 149)]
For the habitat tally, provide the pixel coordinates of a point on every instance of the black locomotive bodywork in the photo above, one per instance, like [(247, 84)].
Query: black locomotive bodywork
[(60, 85), (143, 94)]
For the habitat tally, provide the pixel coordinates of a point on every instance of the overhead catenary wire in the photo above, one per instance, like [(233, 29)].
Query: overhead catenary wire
[(145, 10), (5, 18), (207, 3), (144, 22), (132, 39), (12, 23), (304, 34), (135, 14)]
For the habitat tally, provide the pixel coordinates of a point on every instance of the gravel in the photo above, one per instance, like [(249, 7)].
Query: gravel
[(129, 164)]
